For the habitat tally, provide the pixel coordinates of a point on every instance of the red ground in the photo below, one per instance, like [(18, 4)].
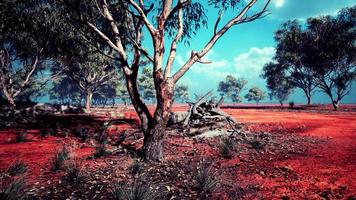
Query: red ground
[(331, 166)]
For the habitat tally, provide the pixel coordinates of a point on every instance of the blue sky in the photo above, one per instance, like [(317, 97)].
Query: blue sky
[(244, 50)]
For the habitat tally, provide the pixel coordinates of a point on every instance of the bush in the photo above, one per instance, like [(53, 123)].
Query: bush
[(58, 160), (227, 147), (21, 136), (73, 173), (100, 150), (17, 168), (135, 167), (82, 133), (206, 184), (12, 191), (258, 142), (291, 104), (137, 192)]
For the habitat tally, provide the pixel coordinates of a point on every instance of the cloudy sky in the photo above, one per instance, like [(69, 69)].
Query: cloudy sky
[(244, 50)]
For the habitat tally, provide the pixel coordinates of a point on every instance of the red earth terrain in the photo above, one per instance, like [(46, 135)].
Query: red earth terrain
[(325, 171)]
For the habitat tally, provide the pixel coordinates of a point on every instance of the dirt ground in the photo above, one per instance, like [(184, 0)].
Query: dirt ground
[(310, 155)]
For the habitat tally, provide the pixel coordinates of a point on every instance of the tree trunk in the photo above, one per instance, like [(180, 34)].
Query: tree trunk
[(10, 99), (89, 97), (308, 100), (335, 104)]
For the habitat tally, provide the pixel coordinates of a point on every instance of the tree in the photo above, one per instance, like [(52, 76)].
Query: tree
[(21, 51), (95, 72), (65, 91), (255, 94), (321, 55), (181, 92), (146, 85), (120, 25), (331, 53), (279, 86), (232, 88), (289, 59)]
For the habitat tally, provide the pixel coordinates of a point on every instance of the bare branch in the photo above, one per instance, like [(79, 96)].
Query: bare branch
[(141, 11), (197, 56), (218, 21)]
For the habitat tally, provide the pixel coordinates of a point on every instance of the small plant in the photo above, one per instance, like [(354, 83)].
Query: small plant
[(135, 167), (257, 143), (227, 147), (21, 136), (291, 104), (137, 191), (17, 168), (82, 133), (206, 184), (101, 150), (73, 173), (58, 160), (12, 190)]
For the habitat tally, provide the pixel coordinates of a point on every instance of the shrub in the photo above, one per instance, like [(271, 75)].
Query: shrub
[(206, 183), (82, 133), (13, 190), (21, 136), (135, 167), (100, 150), (17, 168), (73, 172), (227, 147), (291, 104), (58, 160), (137, 191), (257, 143)]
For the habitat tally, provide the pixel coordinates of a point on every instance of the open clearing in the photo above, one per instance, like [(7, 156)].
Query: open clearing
[(310, 155)]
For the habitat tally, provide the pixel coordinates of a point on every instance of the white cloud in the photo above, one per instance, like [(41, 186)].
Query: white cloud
[(252, 62), (279, 3)]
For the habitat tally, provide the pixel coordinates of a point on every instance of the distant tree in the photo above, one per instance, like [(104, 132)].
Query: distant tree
[(65, 91), (290, 59), (181, 92), (255, 94), (90, 75), (146, 84), (231, 88), (331, 53), (279, 86), (321, 55)]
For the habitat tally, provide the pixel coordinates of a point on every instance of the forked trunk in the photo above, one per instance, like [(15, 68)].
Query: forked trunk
[(335, 105), (309, 100)]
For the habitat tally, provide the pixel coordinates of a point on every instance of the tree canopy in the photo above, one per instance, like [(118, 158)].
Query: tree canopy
[(231, 88)]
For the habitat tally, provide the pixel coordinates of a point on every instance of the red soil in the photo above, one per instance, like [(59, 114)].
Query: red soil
[(330, 167)]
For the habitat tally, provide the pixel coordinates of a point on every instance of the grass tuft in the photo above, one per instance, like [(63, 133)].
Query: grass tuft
[(13, 190), (74, 173), (21, 136), (58, 160), (206, 183), (137, 191), (227, 147), (17, 168)]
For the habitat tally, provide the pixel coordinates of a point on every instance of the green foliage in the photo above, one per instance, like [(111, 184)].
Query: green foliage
[(17, 168), (206, 183), (58, 160), (137, 191), (320, 55), (279, 85), (181, 93), (255, 94), (232, 88), (146, 84)]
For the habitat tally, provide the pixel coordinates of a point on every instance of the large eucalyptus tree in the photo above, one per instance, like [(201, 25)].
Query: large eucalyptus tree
[(121, 25)]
